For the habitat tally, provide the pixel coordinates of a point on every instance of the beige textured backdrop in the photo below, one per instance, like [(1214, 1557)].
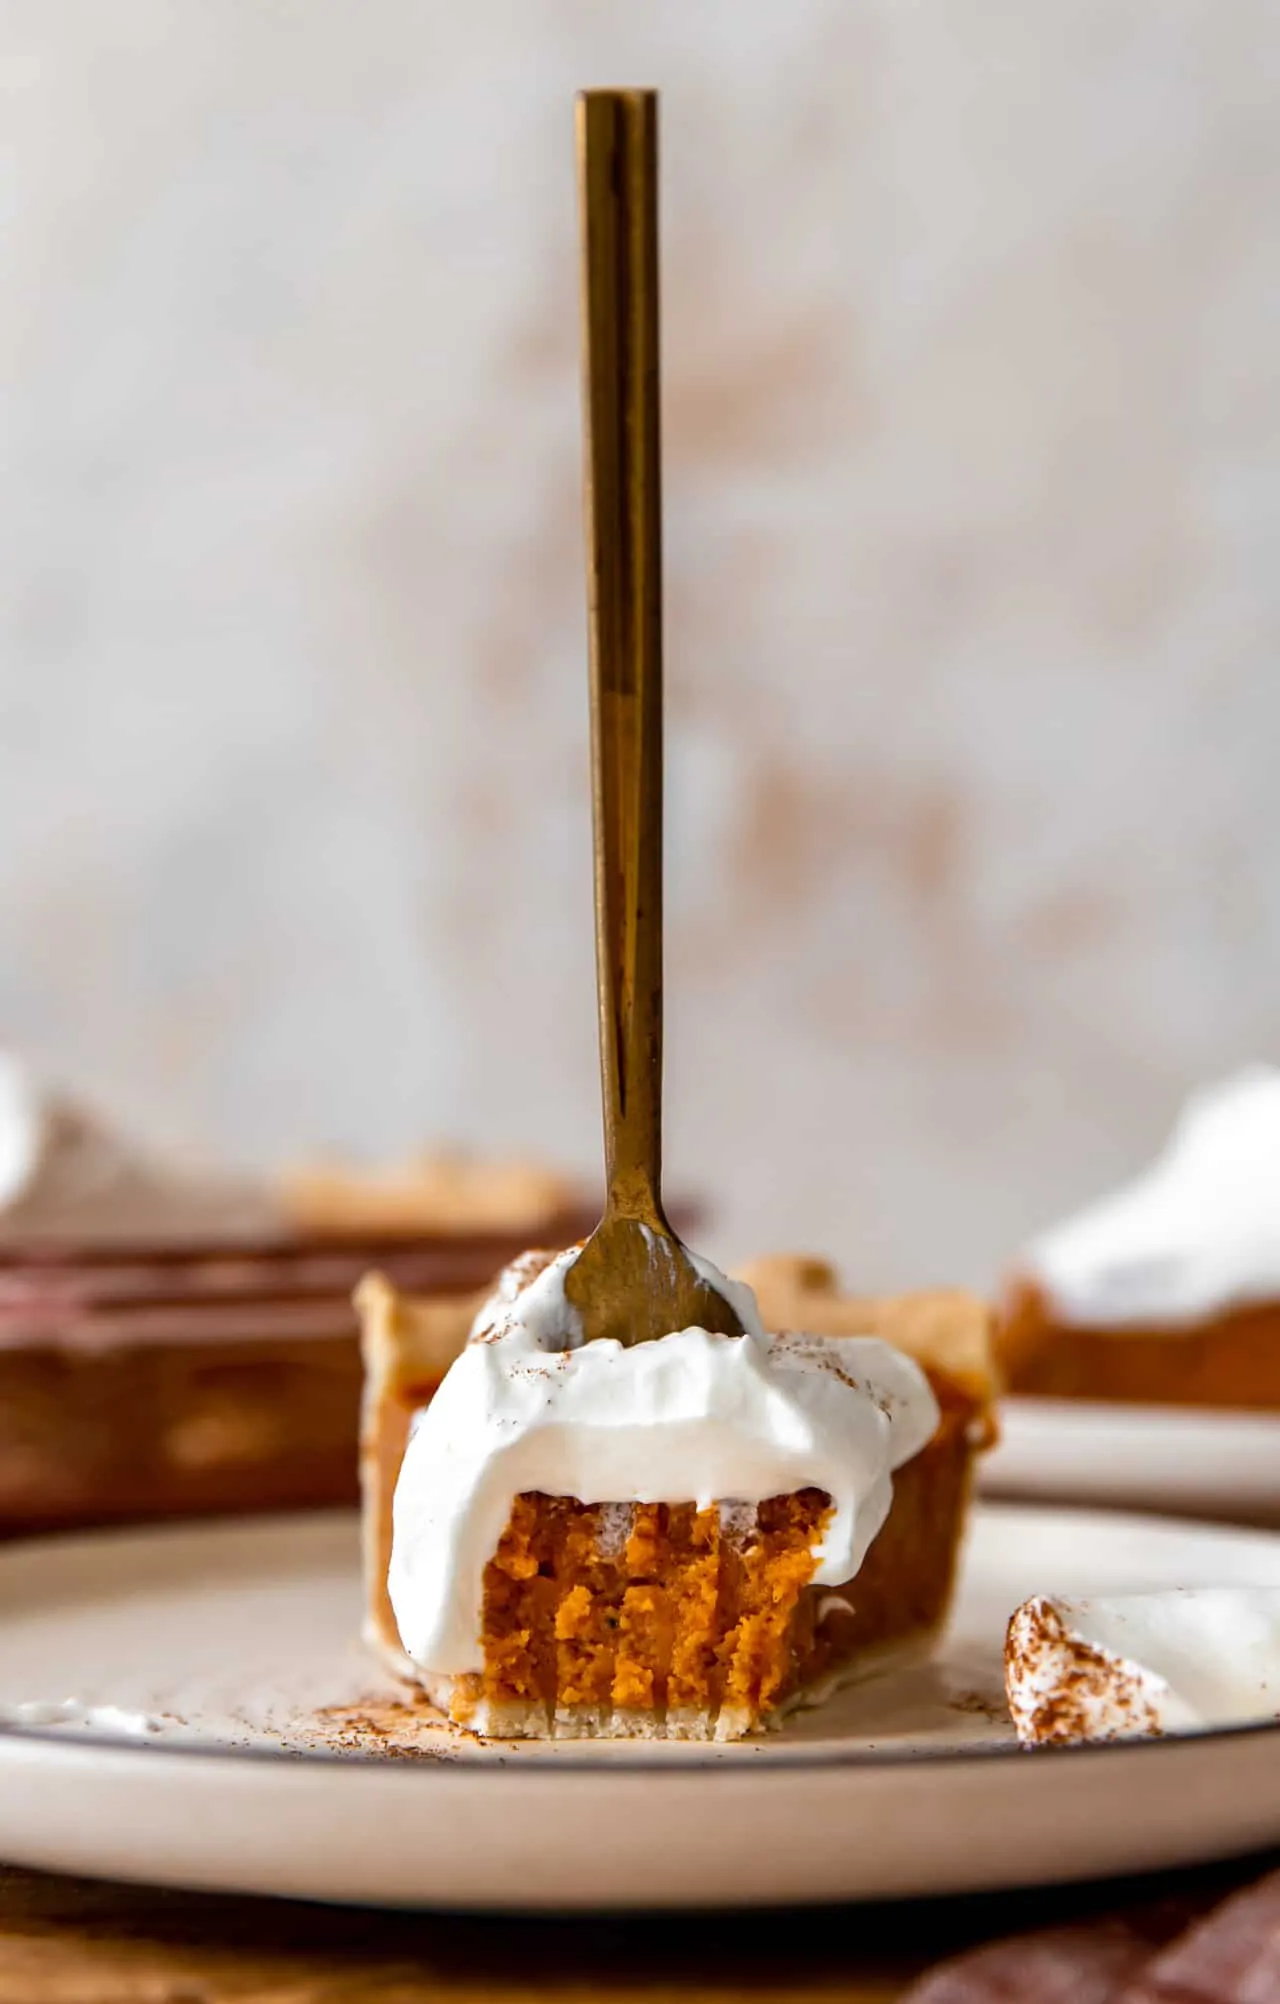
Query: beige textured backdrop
[(973, 421)]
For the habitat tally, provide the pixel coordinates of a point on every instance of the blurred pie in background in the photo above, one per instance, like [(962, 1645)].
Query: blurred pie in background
[(177, 1341), (1168, 1291)]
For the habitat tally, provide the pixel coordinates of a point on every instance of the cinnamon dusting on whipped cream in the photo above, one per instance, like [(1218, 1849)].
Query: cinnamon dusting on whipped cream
[(1139, 1665)]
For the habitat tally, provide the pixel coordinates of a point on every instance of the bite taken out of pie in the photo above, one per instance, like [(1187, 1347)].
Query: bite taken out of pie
[(1168, 1291), (682, 1539)]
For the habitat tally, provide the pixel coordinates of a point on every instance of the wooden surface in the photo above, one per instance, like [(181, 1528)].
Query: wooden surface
[(72, 1941)]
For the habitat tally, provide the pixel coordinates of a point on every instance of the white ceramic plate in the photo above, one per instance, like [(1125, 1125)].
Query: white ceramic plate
[(1220, 1464), (223, 1721)]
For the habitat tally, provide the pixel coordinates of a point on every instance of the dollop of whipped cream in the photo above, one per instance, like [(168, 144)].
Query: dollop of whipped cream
[(1198, 1233), (693, 1417), (65, 1174), (1140, 1665)]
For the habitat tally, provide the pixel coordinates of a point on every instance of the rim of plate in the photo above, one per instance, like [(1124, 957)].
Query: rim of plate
[(799, 1757)]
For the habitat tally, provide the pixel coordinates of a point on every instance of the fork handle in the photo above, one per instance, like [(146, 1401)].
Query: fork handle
[(617, 145)]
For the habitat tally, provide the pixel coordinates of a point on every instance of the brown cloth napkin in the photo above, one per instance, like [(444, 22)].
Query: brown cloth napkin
[(1165, 1955)]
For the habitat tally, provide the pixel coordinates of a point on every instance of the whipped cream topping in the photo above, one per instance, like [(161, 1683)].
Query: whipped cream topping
[(1139, 1665), (65, 1174), (1197, 1234), (694, 1417)]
